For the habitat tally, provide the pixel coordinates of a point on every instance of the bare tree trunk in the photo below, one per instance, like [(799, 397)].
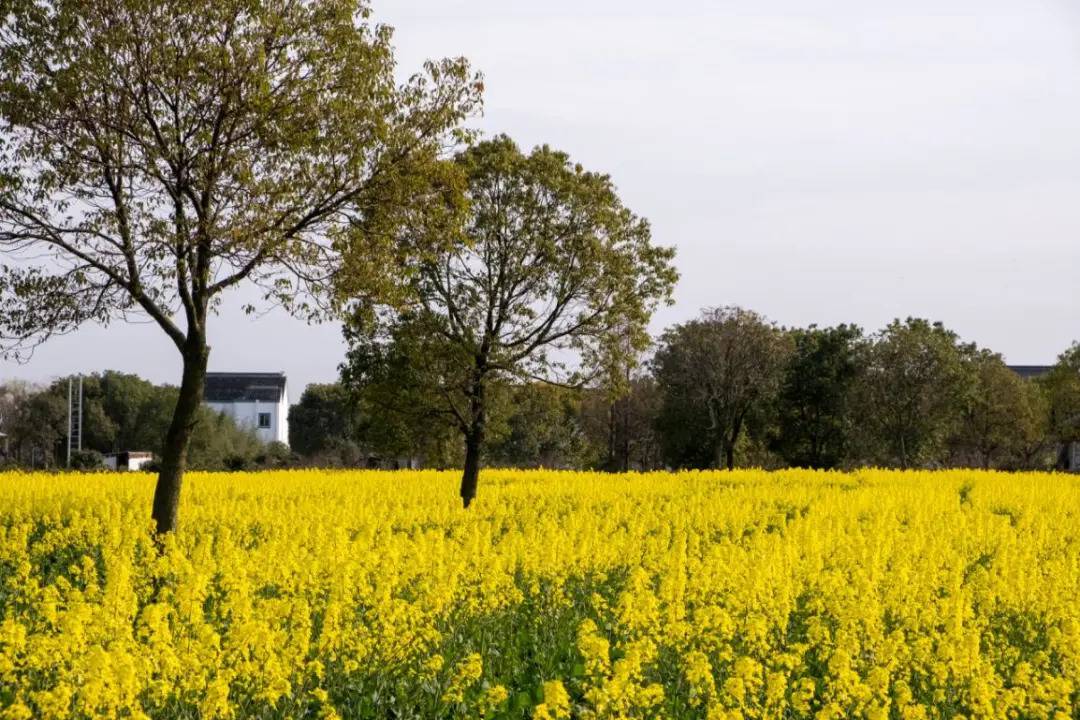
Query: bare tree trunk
[(474, 442), (471, 475), (732, 441), (622, 433), (178, 437), (611, 463)]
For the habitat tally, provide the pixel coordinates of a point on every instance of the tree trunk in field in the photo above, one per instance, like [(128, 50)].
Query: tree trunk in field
[(611, 462), (733, 440), (471, 474), (474, 441), (174, 454)]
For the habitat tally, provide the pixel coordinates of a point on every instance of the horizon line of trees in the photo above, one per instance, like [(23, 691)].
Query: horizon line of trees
[(121, 412), (727, 389)]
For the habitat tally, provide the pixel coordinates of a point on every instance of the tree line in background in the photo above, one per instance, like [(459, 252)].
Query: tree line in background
[(121, 412), (726, 389)]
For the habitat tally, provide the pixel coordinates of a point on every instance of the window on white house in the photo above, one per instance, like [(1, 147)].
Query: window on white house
[(264, 420)]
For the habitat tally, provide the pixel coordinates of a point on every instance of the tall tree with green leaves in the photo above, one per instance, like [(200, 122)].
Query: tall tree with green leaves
[(326, 425), (717, 375), (156, 155), (909, 398), (540, 427), (1003, 418), (814, 421), (1062, 388), (548, 270)]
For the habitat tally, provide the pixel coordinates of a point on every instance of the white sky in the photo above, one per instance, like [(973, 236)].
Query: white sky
[(816, 160)]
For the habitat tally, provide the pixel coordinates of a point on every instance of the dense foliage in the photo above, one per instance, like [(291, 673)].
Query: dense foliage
[(155, 156), (814, 426), (121, 412), (545, 276), (832, 397), (695, 595), (718, 375)]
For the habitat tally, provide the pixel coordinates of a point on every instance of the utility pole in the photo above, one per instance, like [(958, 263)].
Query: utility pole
[(75, 418)]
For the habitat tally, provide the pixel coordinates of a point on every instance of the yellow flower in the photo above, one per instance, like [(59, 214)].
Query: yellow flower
[(467, 672), (700, 677), (18, 711), (215, 703), (493, 698), (747, 594), (556, 703)]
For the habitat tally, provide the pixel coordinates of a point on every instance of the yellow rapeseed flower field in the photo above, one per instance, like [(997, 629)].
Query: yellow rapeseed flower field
[(316, 594)]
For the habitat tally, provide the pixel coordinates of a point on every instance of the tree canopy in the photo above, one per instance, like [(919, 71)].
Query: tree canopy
[(156, 155), (815, 402), (718, 374), (547, 274), (911, 392)]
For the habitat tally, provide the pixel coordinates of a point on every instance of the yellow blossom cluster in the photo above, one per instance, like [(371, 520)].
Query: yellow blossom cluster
[(793, 594)]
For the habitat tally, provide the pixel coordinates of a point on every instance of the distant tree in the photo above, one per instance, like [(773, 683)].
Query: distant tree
[(275, 455), (548, 262), (717, 375), (110, 403), (152, 421), (13, 395), (326, 422), (157, 155), (687, 439), (910, 396), (540, 427), (132, 403), (620, 409), (1002, 418), (218, 443), (1062, 388), (394, 381), (814, 407), (1034, 447), (39, 430), (621, 429)]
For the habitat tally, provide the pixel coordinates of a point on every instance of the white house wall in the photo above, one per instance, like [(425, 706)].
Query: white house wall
[(246, 414)]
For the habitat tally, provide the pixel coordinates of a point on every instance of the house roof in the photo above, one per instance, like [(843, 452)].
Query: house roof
[(223, 387), (1031, 371)]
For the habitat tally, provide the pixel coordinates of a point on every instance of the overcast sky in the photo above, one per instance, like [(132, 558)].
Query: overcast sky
[(820, 161)]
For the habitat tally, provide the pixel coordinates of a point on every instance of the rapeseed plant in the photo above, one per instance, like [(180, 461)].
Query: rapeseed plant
[(792, 594)]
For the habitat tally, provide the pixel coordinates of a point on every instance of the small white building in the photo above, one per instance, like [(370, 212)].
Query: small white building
[(131, 461), (259, 401)]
